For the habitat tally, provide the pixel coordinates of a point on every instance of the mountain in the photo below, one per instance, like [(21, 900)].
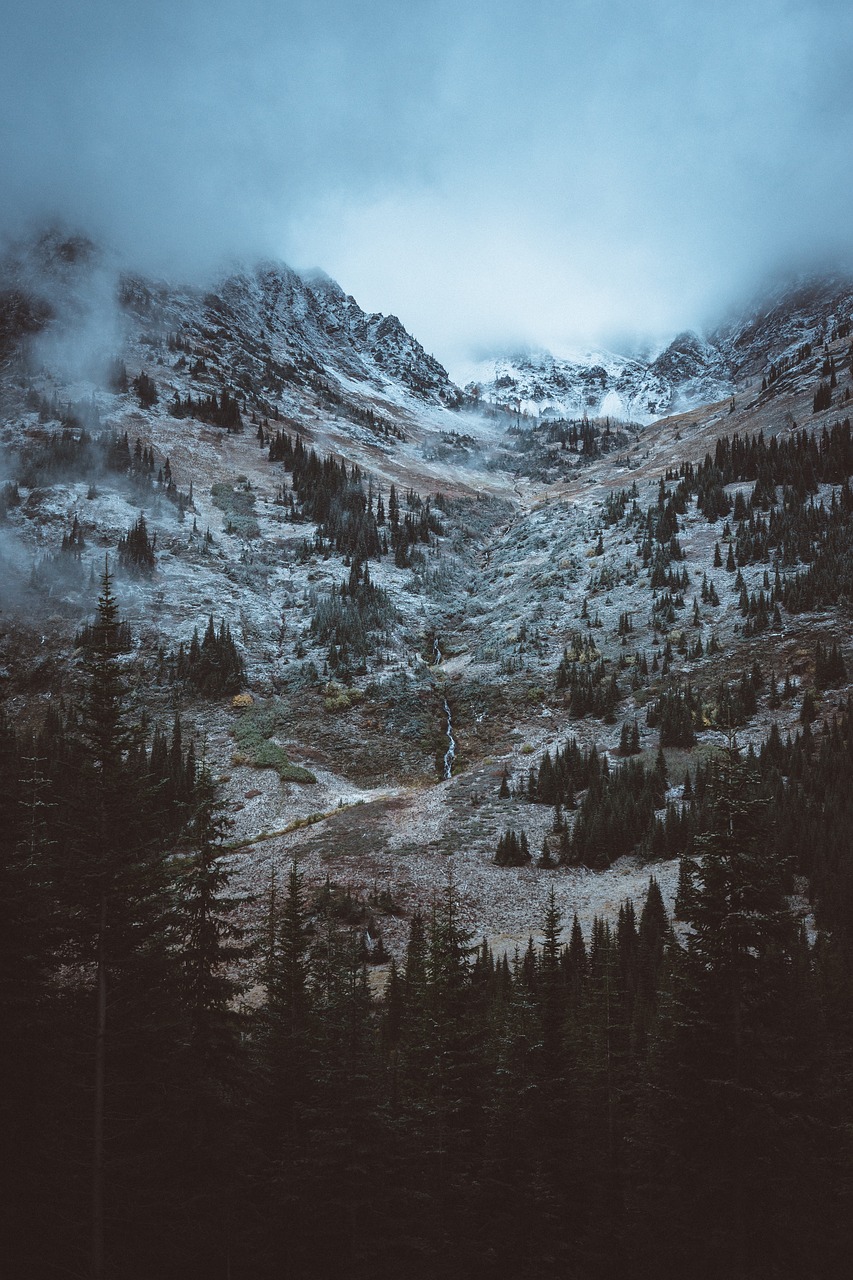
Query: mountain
[(293, 336), (692, 370), (513, 593), (604, 384), (696, 370), (451, 674), (307, 324), (775, 326), (382, 340)]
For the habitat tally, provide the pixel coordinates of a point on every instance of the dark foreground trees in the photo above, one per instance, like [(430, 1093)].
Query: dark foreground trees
[(733, 1123), (629, 1102)]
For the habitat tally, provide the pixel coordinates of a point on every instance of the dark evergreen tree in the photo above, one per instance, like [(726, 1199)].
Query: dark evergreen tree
[(145, 388), (136, 549), (733, 1071), (213, 666), (212, 939)]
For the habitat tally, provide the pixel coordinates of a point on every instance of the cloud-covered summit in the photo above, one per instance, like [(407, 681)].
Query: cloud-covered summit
[(492, 174)]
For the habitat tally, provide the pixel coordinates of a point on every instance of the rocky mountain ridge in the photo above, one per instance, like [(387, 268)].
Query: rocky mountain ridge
[(812, 309), (266, 326), (690, 371), (499, 569)]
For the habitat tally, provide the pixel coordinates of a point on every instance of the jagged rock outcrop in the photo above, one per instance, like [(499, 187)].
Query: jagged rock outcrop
[(691, 370), (805, 310), (598, 384), (261, 324)]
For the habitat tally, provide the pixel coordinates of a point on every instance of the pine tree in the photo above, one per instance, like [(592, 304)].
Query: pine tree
[(284, 1068), (34, 1044), (546, 858), (136, 549), (684, 892), (125, 924), (720, 1094), (144, 386), (415, 970), (652, 937), (550, 984), (212, 939), (209, 1097), (808, 709), (288, 964)]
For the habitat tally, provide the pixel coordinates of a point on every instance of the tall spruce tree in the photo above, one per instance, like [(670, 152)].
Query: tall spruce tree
[(212, 940), (120, 898), (732, 1076)]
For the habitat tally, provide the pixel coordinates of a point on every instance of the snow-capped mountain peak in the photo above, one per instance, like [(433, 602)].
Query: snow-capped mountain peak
[(602, 383)]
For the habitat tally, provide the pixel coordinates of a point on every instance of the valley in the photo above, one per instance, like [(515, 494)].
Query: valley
[(526, 539)]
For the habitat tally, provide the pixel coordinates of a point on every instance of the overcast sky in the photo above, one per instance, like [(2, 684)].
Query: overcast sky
[(494, 173)]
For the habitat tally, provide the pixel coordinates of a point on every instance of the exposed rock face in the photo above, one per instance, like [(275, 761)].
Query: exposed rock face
[(805, 310), (691, 371), (266, 321), (697, 370), (312, 325), (596, 383)]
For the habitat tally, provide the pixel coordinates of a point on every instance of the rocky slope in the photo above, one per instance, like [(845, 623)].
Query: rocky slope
[(267, 328), (520, 562), (691, 371), (804, 310), (688, 372), (595, 383)]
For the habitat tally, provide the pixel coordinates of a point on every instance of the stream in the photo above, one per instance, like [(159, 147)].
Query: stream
[(450, 754)]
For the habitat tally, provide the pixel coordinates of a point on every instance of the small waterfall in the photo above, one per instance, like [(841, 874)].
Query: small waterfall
[(436, 653), (450, 754)]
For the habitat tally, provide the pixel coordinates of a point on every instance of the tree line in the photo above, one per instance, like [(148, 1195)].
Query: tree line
[(660, 1095)]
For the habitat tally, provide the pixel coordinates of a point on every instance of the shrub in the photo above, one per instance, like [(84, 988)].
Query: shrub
[(253, 732)]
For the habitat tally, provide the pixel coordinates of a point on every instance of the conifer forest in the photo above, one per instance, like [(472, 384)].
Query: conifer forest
[(426, 640), (425, 823), (584, 1106)]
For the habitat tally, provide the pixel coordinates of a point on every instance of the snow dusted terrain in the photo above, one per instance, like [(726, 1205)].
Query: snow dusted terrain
[(688, 372), (523, 562)]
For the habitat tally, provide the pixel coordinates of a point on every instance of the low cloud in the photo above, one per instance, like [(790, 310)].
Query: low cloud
[(494, 175)]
